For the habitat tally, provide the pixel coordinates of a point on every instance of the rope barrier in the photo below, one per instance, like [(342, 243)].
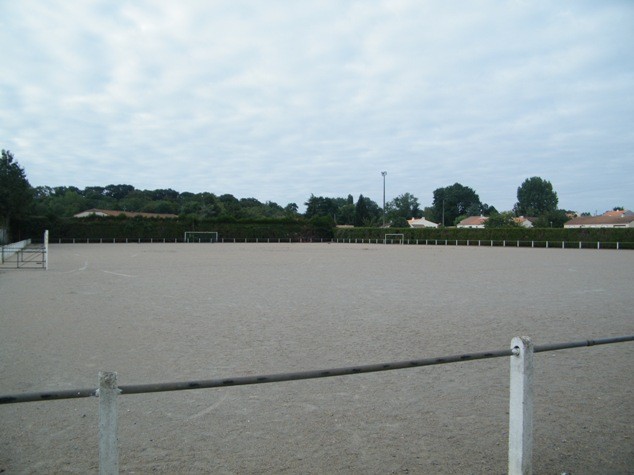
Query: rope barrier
[(301, 375)]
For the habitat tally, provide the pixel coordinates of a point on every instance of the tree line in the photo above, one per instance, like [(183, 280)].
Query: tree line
[(450, 204)]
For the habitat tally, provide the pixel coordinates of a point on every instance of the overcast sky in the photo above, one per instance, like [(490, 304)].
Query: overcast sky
[(280, 99)]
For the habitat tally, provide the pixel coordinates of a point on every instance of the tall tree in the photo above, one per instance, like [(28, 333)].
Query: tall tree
[(321, 206), (15, 191), (402, 208), (535, 197), (366, 212), (453, 201), (118, 192), (361, 214)]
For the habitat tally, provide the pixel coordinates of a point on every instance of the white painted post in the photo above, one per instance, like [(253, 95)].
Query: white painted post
[(46, 250), (521, 408), (108, 439)]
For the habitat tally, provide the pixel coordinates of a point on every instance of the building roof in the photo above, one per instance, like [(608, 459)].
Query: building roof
[(129, 214), (473, 221), (603, 219), (421, 223), (619, 213)]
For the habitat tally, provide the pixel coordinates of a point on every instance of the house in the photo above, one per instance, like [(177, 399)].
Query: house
[(603, 221), (473, 222), (525, 222), (619, 213), (113, 213), (421, 223)]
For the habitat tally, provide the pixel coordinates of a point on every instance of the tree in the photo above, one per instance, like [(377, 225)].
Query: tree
[(291, 209), (404, 207), (320, 206), (366, 212), (552, 219), (15, 191), (118, 192), (453, 201), (535, 197), (505, 219)]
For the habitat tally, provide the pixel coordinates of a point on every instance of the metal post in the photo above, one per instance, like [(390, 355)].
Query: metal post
[(521, 408), (108, 440), (383, 174)]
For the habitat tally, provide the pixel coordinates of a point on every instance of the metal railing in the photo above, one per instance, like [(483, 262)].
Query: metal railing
[(25, 254), (551, 244), (520, 401)]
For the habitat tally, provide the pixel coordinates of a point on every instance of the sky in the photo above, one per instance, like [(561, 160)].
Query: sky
[(278, 99)]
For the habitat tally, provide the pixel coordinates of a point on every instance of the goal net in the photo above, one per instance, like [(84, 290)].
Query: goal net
[(201, 236), (394, 239)]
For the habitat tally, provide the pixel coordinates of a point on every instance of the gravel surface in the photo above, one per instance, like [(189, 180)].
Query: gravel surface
[(175, 312)]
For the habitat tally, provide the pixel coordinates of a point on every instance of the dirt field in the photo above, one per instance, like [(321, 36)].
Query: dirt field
[(173, 312)]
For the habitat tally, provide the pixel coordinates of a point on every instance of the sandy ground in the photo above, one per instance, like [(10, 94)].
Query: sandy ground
[(173, 312)]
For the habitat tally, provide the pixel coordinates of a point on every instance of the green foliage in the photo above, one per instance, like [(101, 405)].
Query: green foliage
[(67, 201), (343, 210), (16, 193), (398, 222), (120, 228), (535, 197), (402, 208), (506, 219), (511, 235), (453, 201), (366, 212), (552, 219)]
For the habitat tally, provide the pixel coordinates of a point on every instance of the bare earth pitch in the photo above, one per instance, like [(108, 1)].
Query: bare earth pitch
[(172, 312)]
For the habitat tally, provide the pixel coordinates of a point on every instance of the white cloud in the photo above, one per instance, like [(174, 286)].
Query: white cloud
[(278, 101)]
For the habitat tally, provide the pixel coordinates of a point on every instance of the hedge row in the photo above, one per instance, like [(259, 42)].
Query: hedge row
[(172, 229), (495, 234), (294, 229)]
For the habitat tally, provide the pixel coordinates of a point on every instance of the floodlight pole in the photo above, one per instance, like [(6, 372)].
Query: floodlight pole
[(383, 174)]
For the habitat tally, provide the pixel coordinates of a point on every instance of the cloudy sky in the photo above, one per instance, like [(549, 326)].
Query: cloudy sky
[(280, 99)]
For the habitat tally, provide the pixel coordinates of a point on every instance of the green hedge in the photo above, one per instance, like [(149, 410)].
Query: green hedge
[(120, 228), (554, 235), (317, 229)]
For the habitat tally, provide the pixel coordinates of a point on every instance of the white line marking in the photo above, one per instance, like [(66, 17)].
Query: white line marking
[(209, 409), (117, 273)]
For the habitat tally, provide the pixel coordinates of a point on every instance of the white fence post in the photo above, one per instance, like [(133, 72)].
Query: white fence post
[(108, 439), (521, 408), (46, 250)]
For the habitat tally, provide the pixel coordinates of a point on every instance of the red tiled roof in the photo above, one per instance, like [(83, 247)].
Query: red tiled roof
[(603, 219), (473, 221)]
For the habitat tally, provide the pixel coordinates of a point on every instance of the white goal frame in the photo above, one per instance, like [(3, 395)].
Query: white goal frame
[(402, 237), (190, 236)]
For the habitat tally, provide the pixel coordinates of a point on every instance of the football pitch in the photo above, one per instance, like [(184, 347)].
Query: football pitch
[(177, 312)]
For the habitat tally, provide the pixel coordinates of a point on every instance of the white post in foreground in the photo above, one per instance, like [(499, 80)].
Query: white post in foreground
[(108, 440), (521, 408)]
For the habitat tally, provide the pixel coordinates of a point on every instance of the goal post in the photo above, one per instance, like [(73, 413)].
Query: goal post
[(394, 237), (201, 236)]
